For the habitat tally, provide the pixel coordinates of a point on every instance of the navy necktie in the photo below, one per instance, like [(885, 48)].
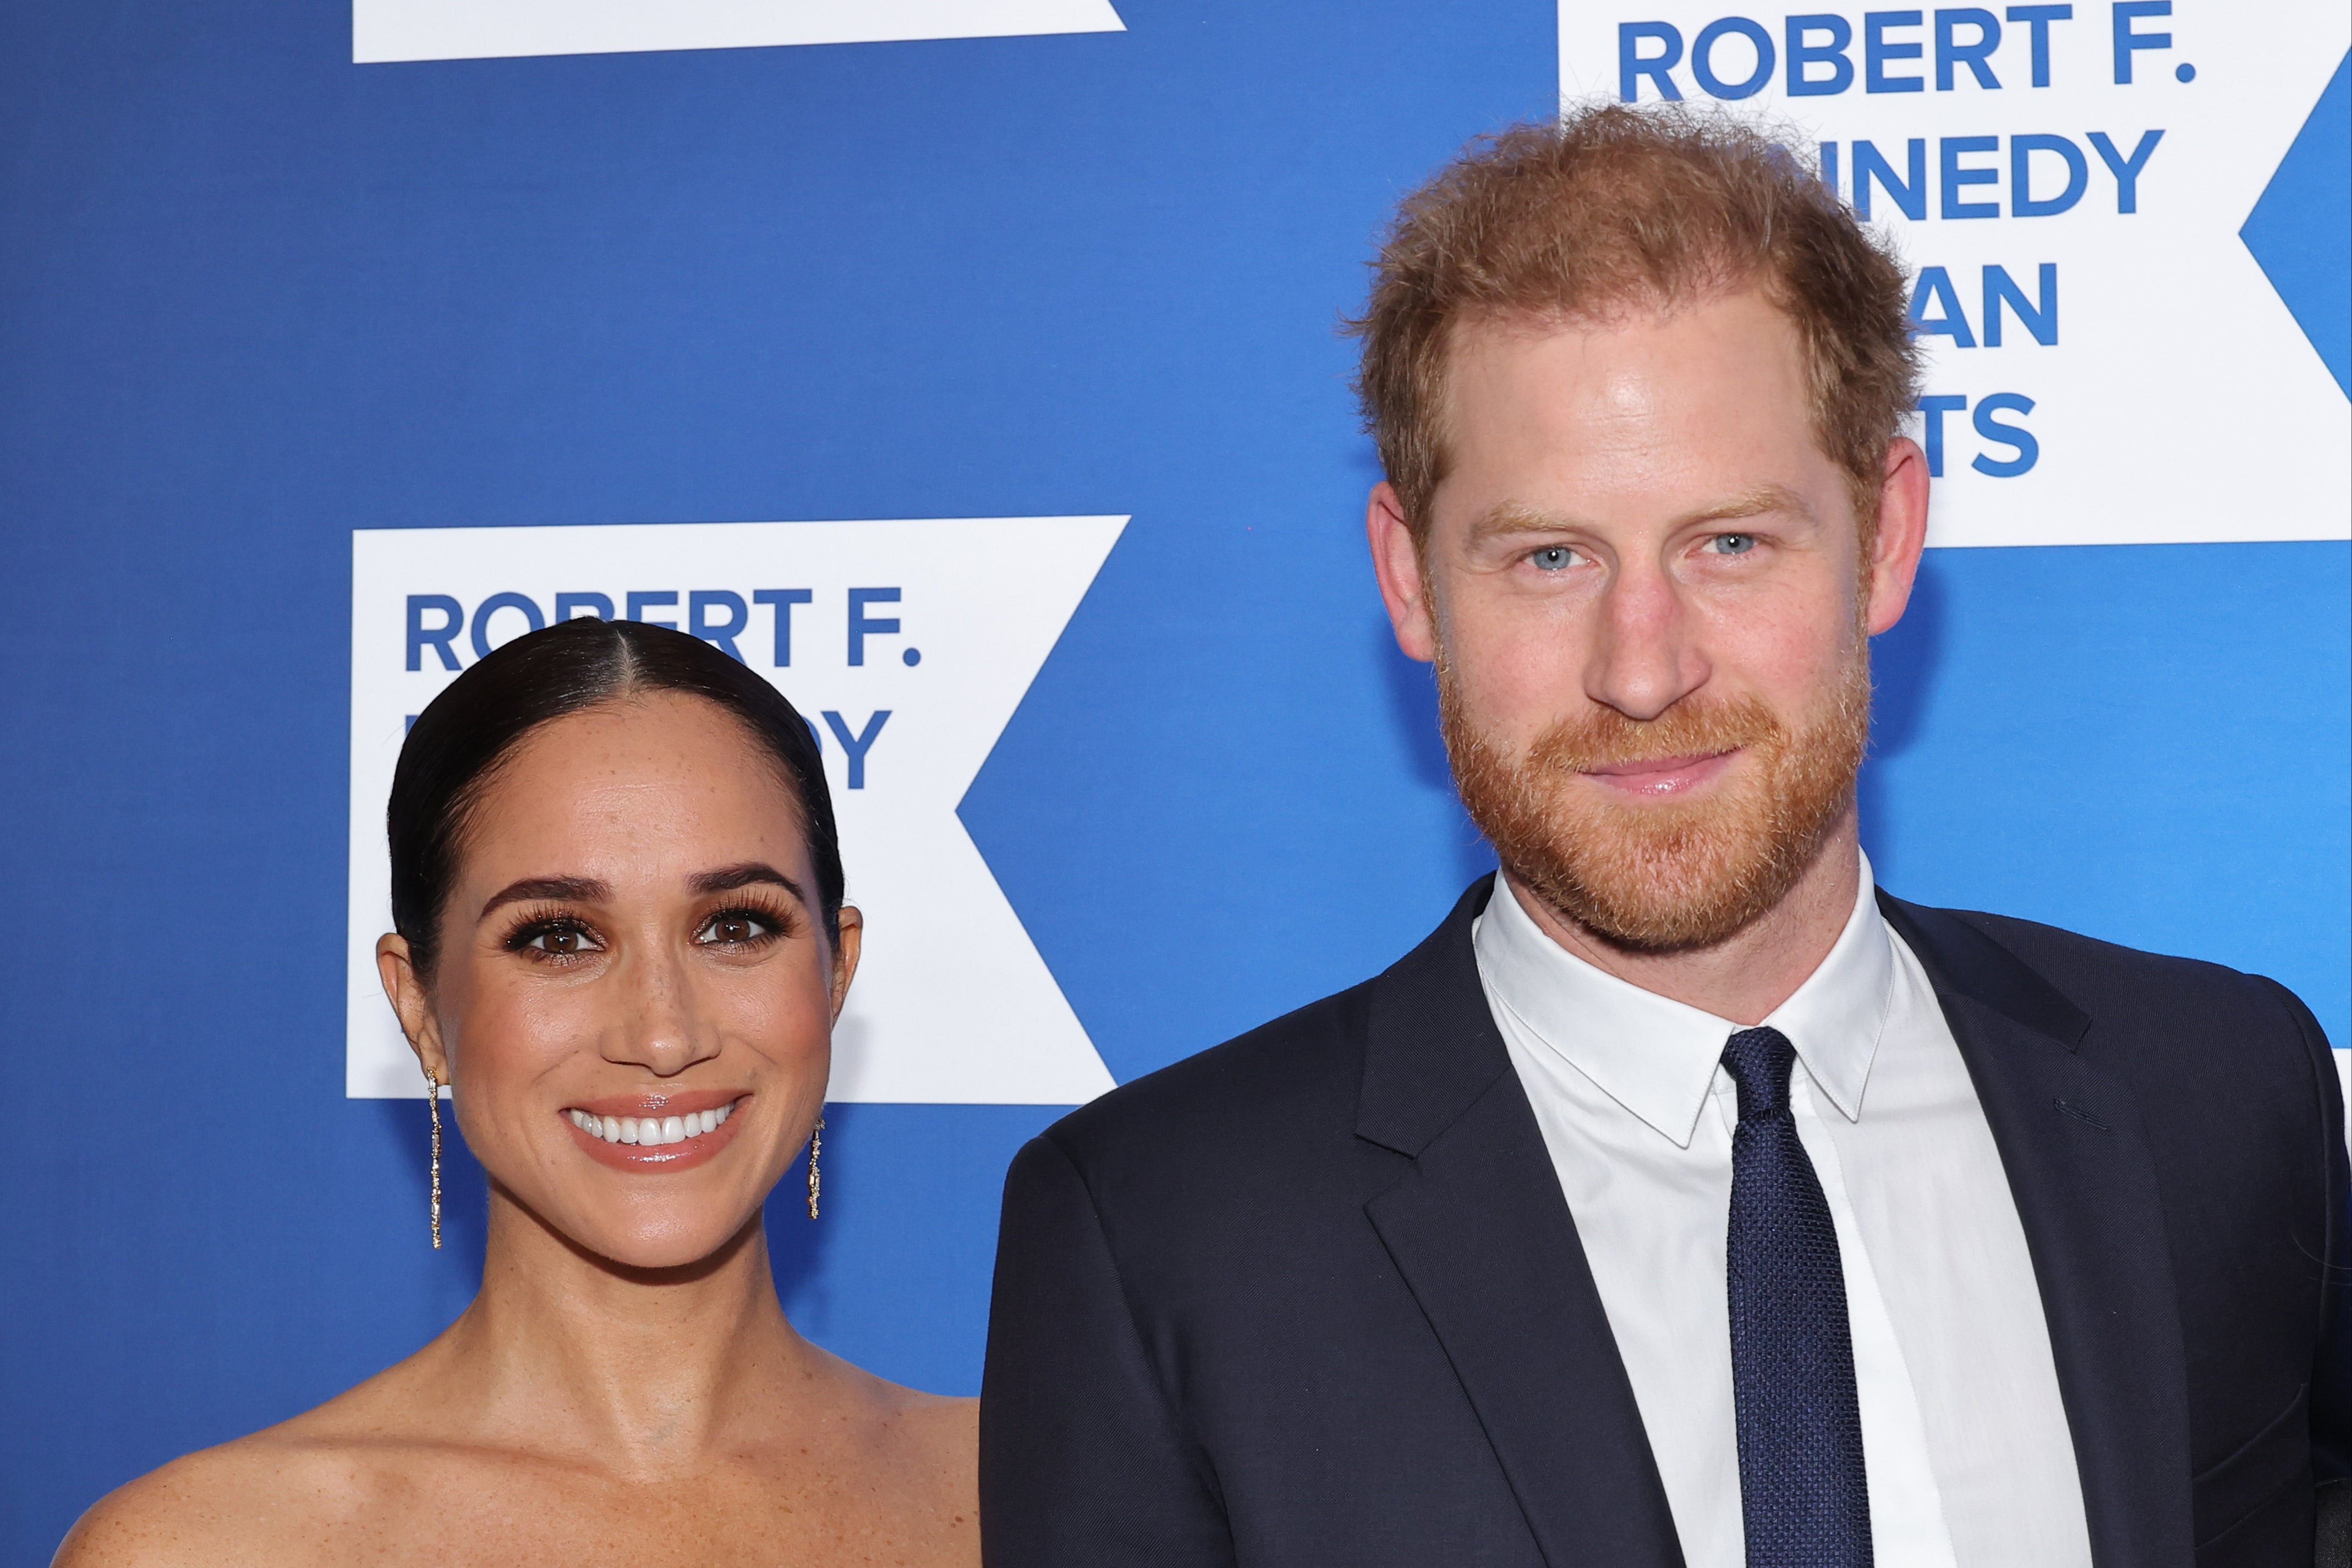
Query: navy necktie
[(1803, 1496)]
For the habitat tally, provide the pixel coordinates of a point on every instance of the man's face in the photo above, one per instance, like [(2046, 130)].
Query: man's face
[(1642, 589)]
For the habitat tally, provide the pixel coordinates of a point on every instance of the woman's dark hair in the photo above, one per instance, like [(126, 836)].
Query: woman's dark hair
[(459, 741)]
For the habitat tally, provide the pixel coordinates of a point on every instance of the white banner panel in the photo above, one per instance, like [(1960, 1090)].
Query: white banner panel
[(906, 645), (2108, 363), (383, 30)]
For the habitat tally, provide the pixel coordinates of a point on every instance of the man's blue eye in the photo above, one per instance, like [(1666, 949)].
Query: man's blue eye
[(1735, 543), (1557, 558)]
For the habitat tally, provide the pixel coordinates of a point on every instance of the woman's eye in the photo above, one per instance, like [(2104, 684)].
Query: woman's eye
[(734, 928), (1554, 557), (1733, 544), (561, 942)]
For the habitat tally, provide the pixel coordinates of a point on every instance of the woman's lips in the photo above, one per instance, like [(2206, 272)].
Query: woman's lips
[(656, 1132), (1661, 775), (658, 1103)]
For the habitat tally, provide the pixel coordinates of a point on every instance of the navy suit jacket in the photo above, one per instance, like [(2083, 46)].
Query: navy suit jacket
[(1314, 1296)]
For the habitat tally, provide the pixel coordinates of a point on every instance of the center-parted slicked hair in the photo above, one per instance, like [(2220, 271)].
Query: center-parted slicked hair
[(1616, 209), (466, 733)]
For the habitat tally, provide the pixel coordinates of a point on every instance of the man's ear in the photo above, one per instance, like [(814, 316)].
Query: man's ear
[(1902, 536), (405, 989), (1397, 563)]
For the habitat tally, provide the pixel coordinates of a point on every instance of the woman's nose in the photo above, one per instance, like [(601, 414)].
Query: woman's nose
[(657, 1024)]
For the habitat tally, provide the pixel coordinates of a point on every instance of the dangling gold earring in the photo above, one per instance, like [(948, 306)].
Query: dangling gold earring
[(433, 1102), (816, 1146)]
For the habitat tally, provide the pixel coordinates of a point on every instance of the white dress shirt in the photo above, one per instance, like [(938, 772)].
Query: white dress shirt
[(1964, 1438)]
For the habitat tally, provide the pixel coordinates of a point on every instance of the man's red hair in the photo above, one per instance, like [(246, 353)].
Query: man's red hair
[(1617, 209)]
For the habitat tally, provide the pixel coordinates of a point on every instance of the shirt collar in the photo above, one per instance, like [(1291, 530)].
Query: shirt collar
[(1657, 1056)]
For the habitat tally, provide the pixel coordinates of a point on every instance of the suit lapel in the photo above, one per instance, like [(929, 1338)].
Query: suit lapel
[(2085, 1184), (1482, 1236)]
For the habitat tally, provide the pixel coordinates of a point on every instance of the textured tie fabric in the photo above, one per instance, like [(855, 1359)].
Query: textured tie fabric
[(1804, 1497)]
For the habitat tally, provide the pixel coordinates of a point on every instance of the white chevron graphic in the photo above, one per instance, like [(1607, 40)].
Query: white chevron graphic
[(907, 644), (2181, 403), (386, 30)]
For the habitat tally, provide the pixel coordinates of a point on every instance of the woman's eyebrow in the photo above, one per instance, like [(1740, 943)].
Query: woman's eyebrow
[(728, 878), (586, 890)]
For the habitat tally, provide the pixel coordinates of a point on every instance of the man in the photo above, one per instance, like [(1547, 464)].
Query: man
[(1684, 1198)]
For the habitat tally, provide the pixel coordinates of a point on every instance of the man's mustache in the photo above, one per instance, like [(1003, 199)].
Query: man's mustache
[(1607, 738)]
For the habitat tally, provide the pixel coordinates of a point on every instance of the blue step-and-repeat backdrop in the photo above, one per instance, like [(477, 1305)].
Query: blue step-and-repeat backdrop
[(970, 367)]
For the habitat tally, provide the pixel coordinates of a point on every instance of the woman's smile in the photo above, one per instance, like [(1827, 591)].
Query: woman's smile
[(656, 1132)]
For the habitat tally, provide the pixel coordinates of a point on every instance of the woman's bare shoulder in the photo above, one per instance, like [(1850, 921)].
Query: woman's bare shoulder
[(249, 1502), (278, 1496), (931, 1429), (934, 1443), (933, 1458), (940, 1421)]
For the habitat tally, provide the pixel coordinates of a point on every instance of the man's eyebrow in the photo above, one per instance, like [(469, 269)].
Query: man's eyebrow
[(587, 889), (728, 877), (1508, 517), (1761, 502)]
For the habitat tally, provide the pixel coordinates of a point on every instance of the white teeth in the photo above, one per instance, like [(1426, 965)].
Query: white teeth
[(651, 1131)]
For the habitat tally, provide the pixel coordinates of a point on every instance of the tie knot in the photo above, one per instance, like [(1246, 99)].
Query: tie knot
[(1759, 1062)]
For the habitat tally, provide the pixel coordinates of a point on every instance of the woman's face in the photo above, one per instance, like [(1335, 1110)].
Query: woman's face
[(635, 997)]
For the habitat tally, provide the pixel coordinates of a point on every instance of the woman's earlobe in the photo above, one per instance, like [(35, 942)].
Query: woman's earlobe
[(412, 1003), (844, 956)]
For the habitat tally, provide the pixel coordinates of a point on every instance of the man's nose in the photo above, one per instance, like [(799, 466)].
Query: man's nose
[(657, 1024), (1644, 660)]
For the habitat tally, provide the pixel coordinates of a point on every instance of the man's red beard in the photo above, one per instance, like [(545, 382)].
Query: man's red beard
[(1669, 875)]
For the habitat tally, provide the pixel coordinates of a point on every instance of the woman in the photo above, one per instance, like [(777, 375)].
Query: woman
[(620, 940)]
